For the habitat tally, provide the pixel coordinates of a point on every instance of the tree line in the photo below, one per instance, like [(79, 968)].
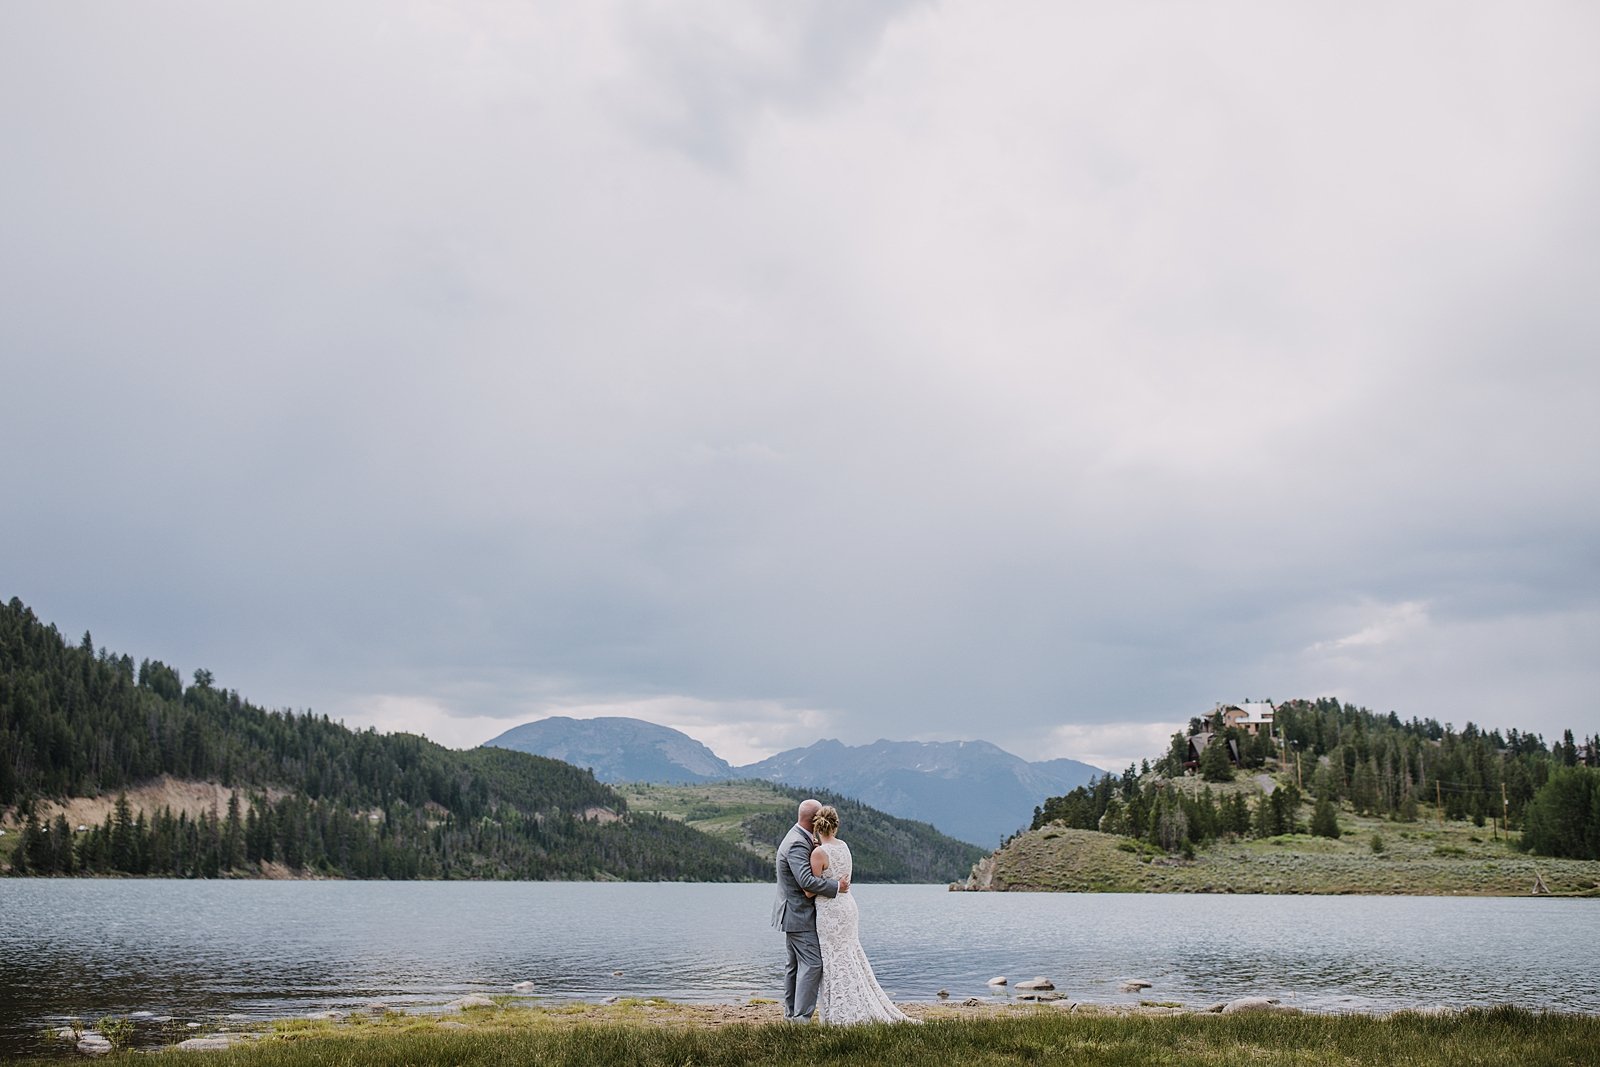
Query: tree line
[(318, 797), (1347, 756), (1140, 804), (893, 849)]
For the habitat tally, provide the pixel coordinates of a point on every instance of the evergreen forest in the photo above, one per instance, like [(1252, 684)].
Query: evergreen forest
[(309, 796), (893, 849), (1345, 757)]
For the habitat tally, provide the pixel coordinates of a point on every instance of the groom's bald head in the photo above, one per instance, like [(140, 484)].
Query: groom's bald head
[(808, 811)]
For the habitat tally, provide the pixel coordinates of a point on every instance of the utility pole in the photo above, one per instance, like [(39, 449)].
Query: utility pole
[(1505, 808), (1438, 798)]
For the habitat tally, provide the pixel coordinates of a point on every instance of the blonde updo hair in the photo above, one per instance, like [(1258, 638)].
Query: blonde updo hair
[(826, 821)]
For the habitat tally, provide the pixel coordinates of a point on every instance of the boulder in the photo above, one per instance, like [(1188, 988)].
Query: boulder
[(972, 1002), (1133, 985), (522, 987), (94, 1044), (67, 1033), (998, 980), (472, 1000), (1040, 982), (943, 994), (205, 1044), (331, 1015), (1233, 1007)]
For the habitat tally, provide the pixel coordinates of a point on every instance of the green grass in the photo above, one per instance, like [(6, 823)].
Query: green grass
[(1040, 1036), (716, 808)]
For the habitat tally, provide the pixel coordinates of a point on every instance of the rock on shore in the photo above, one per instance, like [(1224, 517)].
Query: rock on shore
[(94, 1044)]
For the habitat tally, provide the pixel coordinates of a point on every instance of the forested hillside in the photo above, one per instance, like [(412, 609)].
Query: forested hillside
[(1350, 759), (757, 814), (318, 797)]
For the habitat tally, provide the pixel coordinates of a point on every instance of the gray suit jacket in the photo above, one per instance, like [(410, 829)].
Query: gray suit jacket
[(794, 911)]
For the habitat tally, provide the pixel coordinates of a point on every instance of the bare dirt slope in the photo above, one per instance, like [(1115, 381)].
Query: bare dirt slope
[(180, 795)]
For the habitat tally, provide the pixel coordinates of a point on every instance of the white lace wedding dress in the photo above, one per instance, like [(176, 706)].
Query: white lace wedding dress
[(850, 992)]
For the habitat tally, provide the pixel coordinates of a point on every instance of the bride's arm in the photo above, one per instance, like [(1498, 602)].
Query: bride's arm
[(819, 861)]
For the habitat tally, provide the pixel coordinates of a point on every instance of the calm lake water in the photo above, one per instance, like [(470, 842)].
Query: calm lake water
[(196, 951)]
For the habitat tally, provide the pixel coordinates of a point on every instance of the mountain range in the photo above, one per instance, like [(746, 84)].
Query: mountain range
[(972, 790)]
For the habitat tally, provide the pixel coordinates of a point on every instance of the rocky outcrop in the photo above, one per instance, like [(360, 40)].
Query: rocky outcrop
[(1243, 1004), (473, 1000), (981, 880)]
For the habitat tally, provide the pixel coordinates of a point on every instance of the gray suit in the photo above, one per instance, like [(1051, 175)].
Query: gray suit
[(796, 915)]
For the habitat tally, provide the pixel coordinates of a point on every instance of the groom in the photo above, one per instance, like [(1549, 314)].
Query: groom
[(796, 915)]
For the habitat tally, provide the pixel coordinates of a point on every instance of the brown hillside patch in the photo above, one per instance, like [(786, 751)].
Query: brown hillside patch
[(180, 795)]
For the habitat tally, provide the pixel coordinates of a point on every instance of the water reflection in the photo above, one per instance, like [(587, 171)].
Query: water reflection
[(197, 950)]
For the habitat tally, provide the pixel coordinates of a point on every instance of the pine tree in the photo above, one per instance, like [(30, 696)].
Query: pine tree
[(25, 846), (1364, 788), (1215, 766), (124, 847), (1324, 818), (233, 837), (62, 860), (1564, 818)]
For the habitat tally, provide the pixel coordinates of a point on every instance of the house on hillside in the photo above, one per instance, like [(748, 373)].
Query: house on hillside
[(1252, 718), (1197, 745)]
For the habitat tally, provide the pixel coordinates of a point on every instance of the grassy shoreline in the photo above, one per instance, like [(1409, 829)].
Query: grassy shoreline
[(657, 1032), (1425, 858)]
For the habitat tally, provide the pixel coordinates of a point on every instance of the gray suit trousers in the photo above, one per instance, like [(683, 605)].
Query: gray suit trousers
[(803, 975)]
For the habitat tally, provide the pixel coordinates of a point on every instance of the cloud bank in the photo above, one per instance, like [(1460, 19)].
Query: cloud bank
[(859, 370)]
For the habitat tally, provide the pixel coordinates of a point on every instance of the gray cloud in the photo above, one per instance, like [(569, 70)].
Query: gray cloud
[(908, 369)]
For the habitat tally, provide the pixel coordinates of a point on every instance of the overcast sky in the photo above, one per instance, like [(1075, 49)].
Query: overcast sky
[(1035, 372)]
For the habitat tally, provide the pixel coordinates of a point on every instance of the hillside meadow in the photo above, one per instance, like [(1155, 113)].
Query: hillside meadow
[(1422, 859)]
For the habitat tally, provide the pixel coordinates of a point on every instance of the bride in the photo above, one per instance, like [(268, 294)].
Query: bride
[(850, 992)]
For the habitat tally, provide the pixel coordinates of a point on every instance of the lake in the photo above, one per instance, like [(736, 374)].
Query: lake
[(196, 951)]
